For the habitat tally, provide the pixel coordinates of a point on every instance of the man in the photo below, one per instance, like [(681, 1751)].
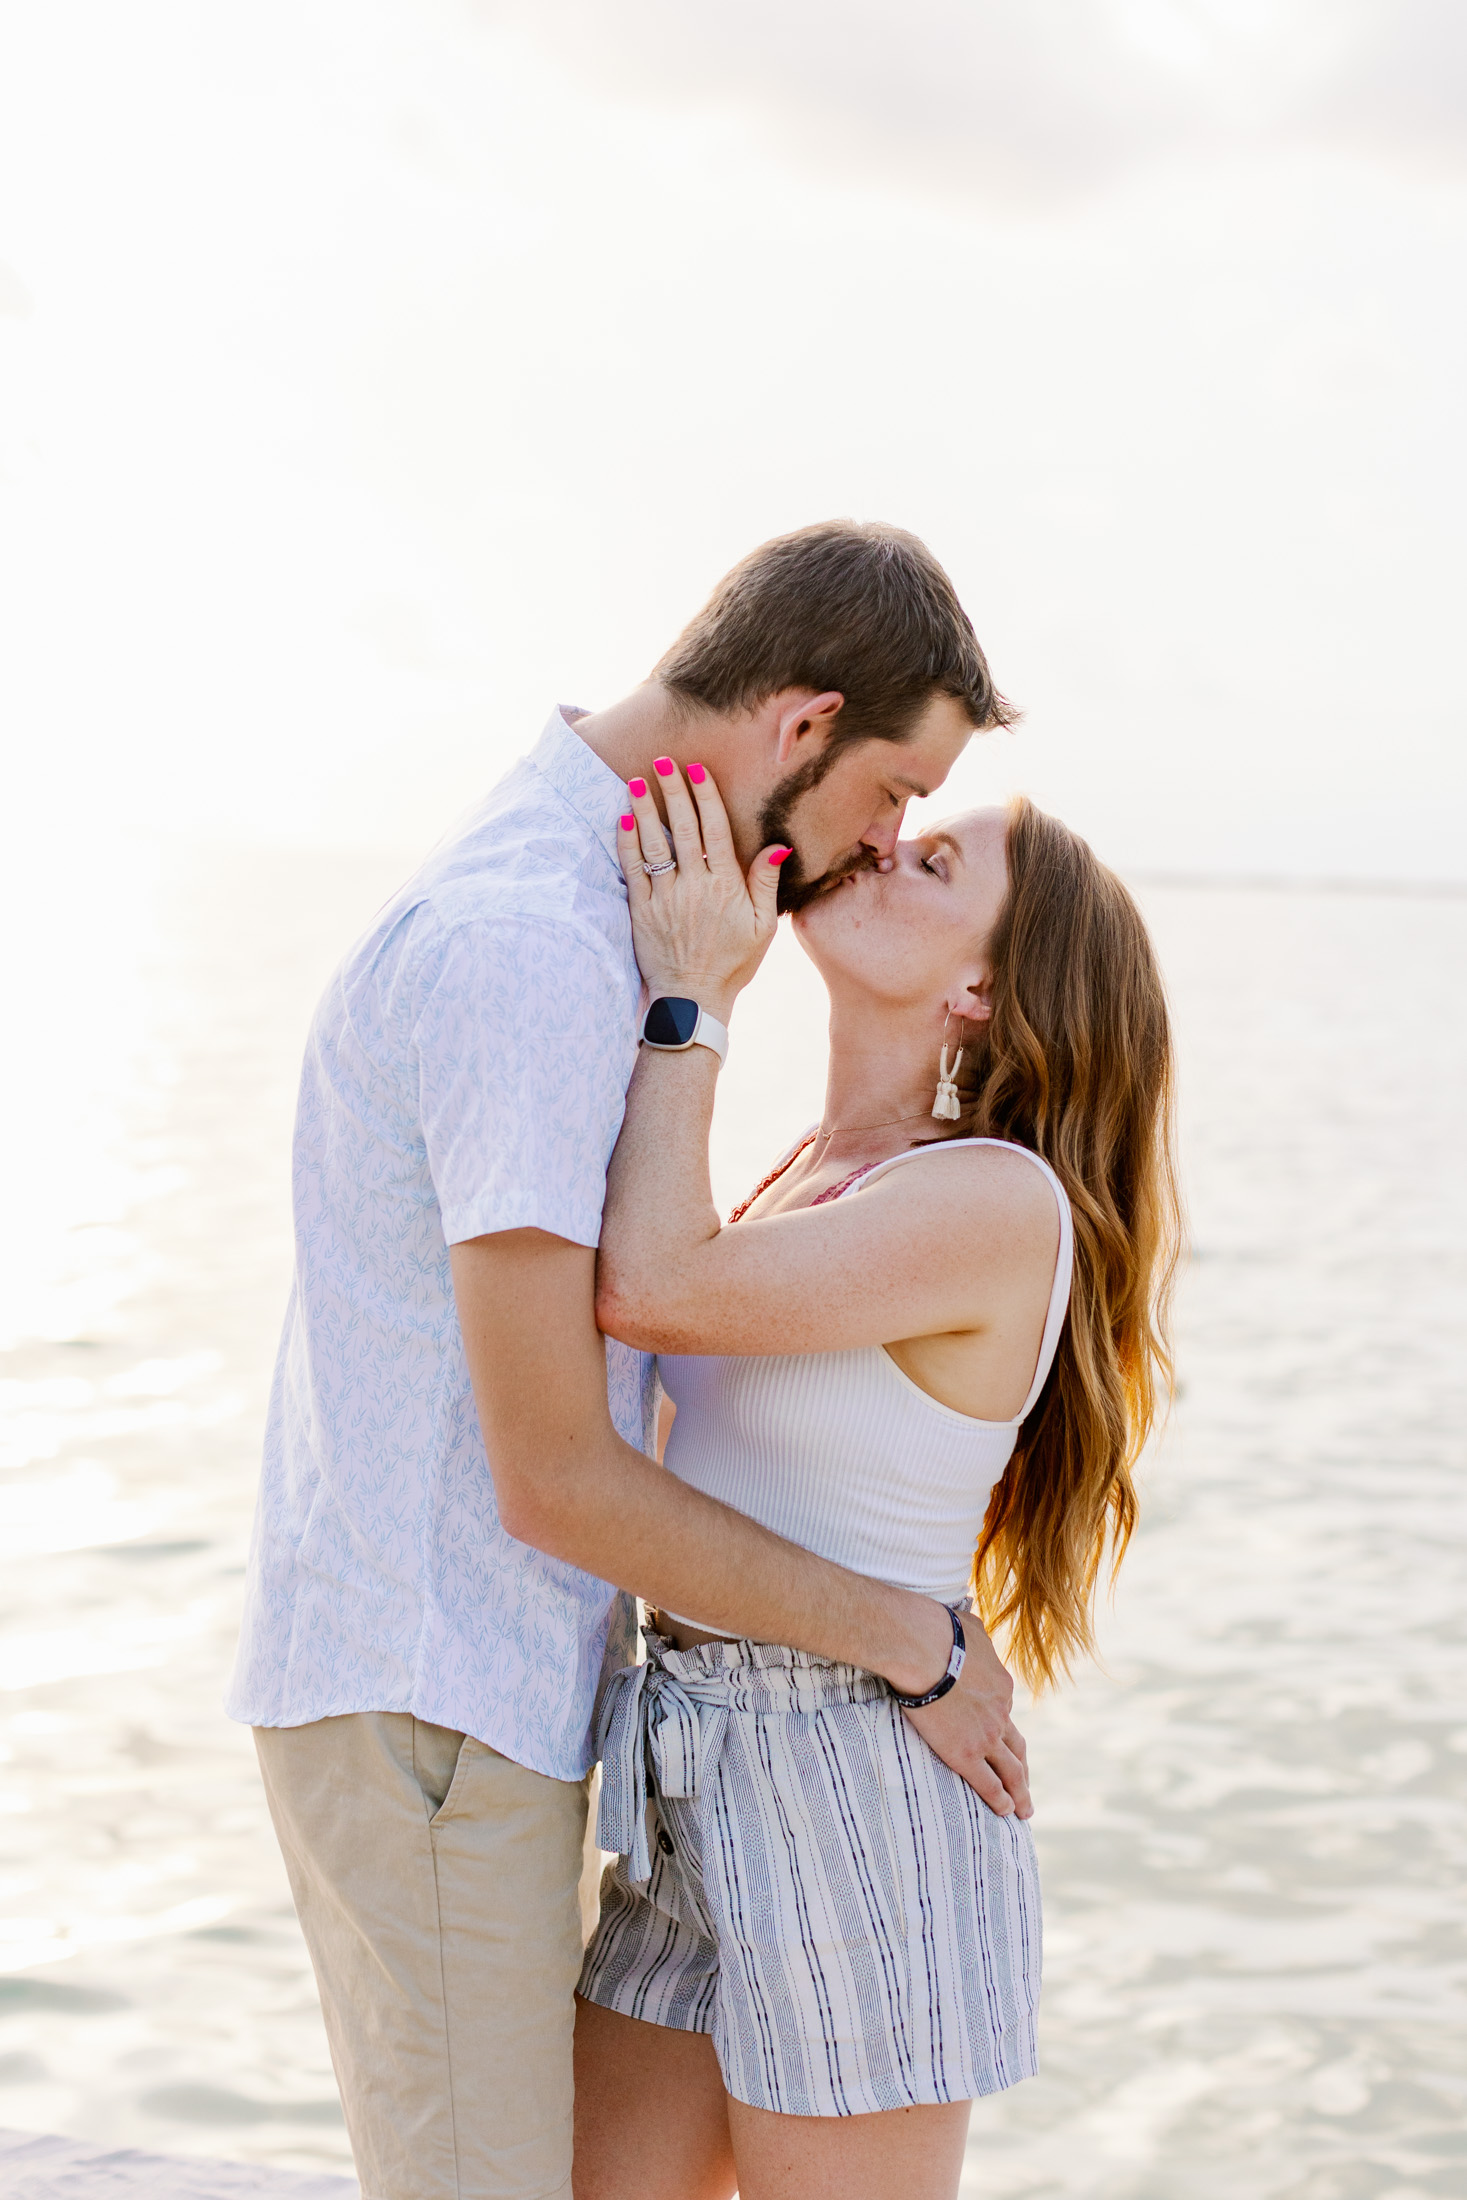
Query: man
[(458, 1467)]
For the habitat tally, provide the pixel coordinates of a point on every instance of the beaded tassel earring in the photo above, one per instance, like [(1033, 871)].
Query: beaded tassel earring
[(947, 1107)]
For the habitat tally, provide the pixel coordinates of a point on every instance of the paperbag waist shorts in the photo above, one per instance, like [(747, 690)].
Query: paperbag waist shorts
[(798, 1875)]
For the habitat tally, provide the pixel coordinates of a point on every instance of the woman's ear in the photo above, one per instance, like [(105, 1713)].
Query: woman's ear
[(973, 1001)]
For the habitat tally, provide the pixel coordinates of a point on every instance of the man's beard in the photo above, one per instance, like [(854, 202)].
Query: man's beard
[(776, 826)]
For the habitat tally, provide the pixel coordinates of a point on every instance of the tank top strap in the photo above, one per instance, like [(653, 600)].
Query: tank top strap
[(1064, 1259)]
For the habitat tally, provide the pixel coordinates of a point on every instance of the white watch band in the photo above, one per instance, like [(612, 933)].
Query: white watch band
[(709, 1032), (706, 1032)]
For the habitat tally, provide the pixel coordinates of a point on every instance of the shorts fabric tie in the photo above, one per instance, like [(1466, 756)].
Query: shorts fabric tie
[(651, 1718)]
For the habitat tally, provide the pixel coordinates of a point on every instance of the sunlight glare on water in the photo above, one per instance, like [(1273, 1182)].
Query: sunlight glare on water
[(1249, 1818)]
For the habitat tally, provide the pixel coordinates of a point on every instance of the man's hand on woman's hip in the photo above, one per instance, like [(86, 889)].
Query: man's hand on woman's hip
[(971, 1728)]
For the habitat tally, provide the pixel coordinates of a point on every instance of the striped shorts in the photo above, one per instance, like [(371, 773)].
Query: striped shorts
[(799, 1876)]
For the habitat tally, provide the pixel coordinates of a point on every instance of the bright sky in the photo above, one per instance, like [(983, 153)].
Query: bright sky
[(378, 372)]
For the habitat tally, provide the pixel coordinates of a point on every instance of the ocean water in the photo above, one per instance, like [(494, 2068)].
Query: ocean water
[(1249, 1814)]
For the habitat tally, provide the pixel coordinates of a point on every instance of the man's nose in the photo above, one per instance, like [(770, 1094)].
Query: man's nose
[(882, 836)]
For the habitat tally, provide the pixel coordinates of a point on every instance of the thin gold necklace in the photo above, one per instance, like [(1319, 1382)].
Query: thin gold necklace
[(888, 1123)]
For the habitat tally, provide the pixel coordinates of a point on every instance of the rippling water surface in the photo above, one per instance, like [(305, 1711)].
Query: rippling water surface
[(1249, 1820)]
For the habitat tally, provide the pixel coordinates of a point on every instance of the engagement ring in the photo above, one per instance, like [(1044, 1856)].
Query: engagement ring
[(657, 870)]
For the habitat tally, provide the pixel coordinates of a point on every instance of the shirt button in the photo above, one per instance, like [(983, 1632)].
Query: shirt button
[(664, 1840)]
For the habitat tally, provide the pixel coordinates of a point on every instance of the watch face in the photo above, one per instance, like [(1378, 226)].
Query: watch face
[(671, 1023)]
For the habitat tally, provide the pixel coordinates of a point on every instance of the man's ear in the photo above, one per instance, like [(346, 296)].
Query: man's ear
[(806, 715)]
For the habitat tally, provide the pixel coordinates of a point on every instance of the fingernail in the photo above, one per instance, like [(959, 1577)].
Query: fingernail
[(636, 788), (662, 765), (697, 774), (777, 855), (628, 822)]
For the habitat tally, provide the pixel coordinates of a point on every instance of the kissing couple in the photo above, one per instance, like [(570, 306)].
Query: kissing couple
[(906, 1383)]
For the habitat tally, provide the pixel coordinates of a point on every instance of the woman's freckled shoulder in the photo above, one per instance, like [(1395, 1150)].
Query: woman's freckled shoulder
[(987, 1183)]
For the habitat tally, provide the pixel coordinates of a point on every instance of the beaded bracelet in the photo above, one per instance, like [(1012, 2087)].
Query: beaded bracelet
[(949, 1678)]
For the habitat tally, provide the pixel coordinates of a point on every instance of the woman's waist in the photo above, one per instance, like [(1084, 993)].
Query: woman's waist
[(683, 1634), (753, 1676), (930, 1555)]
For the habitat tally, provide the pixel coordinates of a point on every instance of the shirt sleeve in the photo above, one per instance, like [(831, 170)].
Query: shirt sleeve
[(525, 1037)]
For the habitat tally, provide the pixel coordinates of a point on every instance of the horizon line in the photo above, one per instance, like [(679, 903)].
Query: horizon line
[(1288, 882)]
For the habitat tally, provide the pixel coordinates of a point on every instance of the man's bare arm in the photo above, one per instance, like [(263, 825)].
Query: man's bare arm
[(567, 1483)]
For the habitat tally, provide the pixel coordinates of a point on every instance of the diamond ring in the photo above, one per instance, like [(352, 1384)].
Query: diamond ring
[(660, 870)]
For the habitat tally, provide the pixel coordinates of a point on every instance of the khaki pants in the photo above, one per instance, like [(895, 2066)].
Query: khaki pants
[(436, 1883)]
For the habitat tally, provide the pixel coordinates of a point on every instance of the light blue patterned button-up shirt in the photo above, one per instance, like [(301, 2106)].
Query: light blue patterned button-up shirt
[(466, 1072)]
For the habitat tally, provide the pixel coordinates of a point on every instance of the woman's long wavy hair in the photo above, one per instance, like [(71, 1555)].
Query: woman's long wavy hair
[(1076, 1063)]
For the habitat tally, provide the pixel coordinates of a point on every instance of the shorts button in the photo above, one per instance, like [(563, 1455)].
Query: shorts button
[(664, 1840)]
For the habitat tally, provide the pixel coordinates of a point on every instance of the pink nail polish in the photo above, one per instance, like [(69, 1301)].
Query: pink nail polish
[(777, 856), (662, 765), (636, 788), (697, 774), (628, 822)]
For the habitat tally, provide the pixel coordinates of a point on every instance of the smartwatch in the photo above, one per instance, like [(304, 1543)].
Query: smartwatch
[(672, 1025)]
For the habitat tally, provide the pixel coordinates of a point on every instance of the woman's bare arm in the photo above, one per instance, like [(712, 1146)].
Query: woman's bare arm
[(938, 1246)]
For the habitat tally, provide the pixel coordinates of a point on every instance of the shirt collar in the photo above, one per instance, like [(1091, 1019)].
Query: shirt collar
[(580, 778)]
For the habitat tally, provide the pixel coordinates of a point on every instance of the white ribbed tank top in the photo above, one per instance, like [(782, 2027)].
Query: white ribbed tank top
[(842, 1453)]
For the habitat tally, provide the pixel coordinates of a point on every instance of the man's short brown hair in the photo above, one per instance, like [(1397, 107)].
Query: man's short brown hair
[(849, 605)]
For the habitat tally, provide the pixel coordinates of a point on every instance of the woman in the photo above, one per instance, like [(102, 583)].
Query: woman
[(930, 1346)]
